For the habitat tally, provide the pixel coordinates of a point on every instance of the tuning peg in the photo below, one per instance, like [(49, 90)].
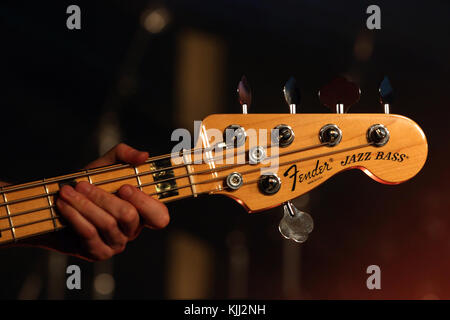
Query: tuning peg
[(339, 95), (295, 225), (244, 94), (288, 226), (292, 94), (386, 94)]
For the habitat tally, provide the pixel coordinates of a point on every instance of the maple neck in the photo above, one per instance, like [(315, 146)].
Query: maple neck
[(29, 209)]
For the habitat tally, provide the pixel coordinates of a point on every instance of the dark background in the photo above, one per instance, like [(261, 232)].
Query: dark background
[(57, 83)]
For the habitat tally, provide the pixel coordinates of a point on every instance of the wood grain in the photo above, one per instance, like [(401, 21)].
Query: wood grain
[(399, 160), (30, 210)]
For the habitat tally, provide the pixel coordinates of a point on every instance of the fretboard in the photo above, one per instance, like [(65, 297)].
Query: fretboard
[(29, 209)]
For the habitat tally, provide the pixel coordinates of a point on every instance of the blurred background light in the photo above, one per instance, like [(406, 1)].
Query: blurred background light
[(104, 284), (155, 20), (364, 44)]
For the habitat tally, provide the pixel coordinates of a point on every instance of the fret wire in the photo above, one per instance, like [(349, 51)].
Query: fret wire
[(50, 206), (64, 226), (164, 200), (77, 175), (168, 179), (108, 169), (38, 196), (13, 230), (226, 167), (281, 164), (33, 235), (138, 179), (28, 223), (95, 183), (100, 170), (52, 213), (189, 173), (231, 166), (215, 179), (211, 190), (88, 176), (81, 175), (112, 168), (139, 186)]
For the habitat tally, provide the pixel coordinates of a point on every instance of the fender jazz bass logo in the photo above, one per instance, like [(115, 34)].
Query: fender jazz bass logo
[(322, 167), (310, 176), (364, 156)]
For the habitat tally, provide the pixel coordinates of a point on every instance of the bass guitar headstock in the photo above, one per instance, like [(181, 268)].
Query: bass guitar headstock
[(265, 160)]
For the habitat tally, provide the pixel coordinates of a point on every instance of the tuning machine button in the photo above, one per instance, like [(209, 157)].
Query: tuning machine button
[(339, 95), (292, 94), (282, 134), (295, 225), (386, 94), (244, 93)]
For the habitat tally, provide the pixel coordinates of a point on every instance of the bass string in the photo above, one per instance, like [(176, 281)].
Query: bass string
[(93, 171), (140, 174), (98, 170), (208, 181), (57, 217)]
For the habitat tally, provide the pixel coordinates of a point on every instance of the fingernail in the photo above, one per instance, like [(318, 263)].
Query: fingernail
[(68, 190), (84, 187), (126, 191)]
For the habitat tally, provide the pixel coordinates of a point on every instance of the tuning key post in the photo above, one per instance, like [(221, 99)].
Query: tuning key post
[(244, 93), (294, 225), (339, 95), (292, 95), (386, 94)]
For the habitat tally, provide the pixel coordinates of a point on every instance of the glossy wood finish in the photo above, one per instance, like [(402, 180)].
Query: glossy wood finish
[(399, 160), (30, 210)]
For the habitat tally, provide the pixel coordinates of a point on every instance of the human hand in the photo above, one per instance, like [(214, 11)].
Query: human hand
[(101, 223)]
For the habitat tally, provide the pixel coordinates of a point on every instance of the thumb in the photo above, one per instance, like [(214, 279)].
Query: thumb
[(120, 153)]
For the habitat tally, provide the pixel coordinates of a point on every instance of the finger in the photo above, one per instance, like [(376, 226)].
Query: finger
[(94, 245), (120, 153), (126, 215), (153, 212), (103, 221)]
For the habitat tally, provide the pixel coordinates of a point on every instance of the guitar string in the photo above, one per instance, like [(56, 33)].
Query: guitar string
[(200, 182), (132, 176), (211, 180), (63, 226), (98, 170)]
